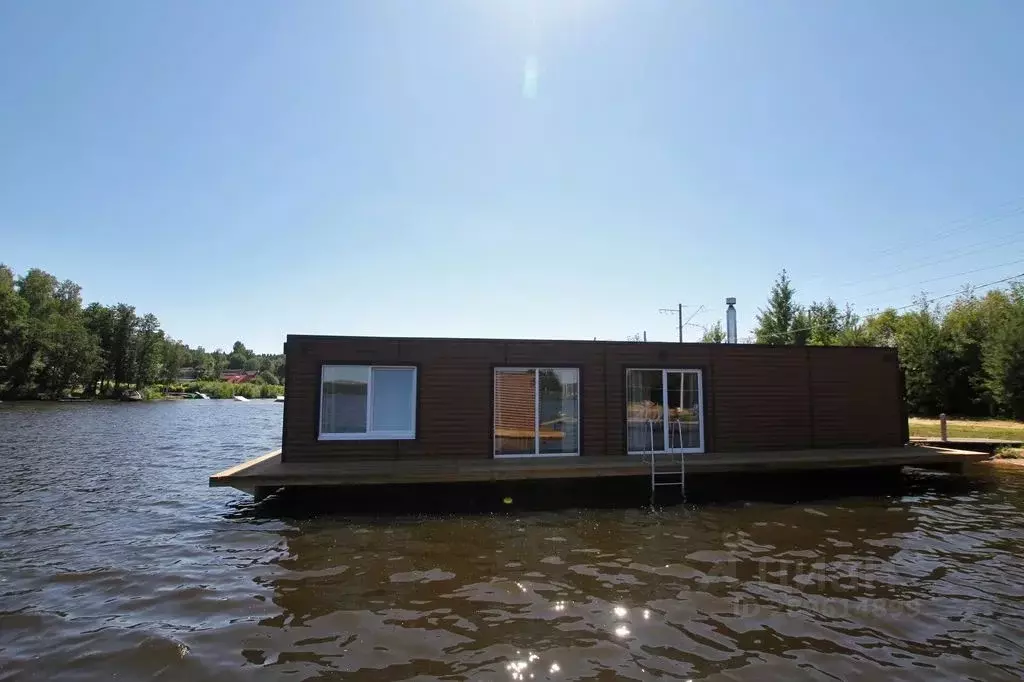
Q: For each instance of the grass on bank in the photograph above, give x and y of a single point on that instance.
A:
(218, 389)
(968, 428)
(1010, 453)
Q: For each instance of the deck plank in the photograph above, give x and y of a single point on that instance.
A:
(269, 470)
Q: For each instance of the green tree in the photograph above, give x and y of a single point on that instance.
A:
(852, 331)
(69, 356)
(775, 321)
(1003, 355)
(176, 356)
(965, 326)
(266, 378)
(218, 363)
(37, 290)
(50, 345)
(147, 347)
(713, 334)
(920, 341)
(99, 321)
(882, 329)
(800, 334)
(13, 319)
(825, 323)
(122, 345)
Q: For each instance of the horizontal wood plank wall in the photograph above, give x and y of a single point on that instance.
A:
(755, 397)
(623, 356)
(857, 397)
(454, 402)
(306, 358)
(589, 359)
(762, 398)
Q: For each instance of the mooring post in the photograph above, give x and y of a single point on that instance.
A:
(942, 426)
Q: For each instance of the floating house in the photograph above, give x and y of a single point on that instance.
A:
(369, 411)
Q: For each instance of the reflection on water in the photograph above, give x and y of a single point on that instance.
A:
(116, 558)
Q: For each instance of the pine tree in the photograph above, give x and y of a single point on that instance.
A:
(775, 322)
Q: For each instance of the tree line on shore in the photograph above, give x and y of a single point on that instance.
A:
(964, 358)
(51, 345)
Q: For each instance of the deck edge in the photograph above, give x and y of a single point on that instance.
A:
(221, 478)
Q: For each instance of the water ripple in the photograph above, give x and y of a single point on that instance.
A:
(115, 558)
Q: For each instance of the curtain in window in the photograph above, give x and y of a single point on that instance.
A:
(536, 411)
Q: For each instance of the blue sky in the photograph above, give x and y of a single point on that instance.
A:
(246, 169)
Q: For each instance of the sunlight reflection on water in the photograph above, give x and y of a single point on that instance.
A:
(147, 573)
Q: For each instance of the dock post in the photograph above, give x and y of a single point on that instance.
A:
(942, 427)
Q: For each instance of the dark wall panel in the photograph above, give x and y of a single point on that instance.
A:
(755, 397)
(455, 396)
(623, 356)
(762, 399)
(589, 359)
(302, 413)
(857, 397)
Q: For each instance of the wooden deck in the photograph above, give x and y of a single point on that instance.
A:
(269, 472)
(989, 445)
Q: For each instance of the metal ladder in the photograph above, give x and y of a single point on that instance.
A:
(665, 472)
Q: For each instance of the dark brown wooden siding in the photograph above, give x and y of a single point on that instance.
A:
(755, 397)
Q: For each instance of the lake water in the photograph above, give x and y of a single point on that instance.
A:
(117, 561)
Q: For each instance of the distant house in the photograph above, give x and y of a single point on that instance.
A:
(188, 374)
(238, 376)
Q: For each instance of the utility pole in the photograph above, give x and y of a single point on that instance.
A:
(679, 311)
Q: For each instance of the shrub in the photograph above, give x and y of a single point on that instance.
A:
(1010, 453)
(271, 390)
(266, 377)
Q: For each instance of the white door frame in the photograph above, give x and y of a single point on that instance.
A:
(664, 397)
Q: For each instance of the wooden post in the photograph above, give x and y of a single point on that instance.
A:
(942, 426)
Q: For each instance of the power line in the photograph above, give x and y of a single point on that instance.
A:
(936, 279)
(1006, 242)
(959, 291)
(957, 226)
(678, 310)
(934, 298)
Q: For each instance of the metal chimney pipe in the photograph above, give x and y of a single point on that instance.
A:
(730, 320)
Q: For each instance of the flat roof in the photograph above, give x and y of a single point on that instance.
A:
(666, 344)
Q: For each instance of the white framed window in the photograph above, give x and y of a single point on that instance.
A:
(364, 402)
(536, 411)
(664, 411)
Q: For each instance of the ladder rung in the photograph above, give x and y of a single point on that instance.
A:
(675, 483)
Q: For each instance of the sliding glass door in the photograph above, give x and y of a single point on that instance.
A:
(664, 410)
(536, 411)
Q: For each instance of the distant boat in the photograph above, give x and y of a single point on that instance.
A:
(202, 396)
(132, 396)
(279, 399)
(241, 399)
